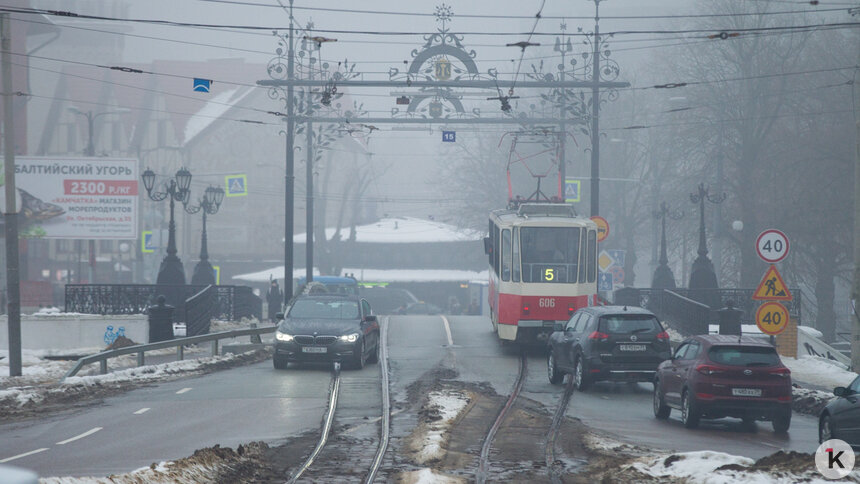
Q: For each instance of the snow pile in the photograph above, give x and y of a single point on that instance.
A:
(709, 467)
(441, 410)
(819, 371)
(428, 476)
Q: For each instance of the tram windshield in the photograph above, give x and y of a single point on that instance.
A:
(550, 254)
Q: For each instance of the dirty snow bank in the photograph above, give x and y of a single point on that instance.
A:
(819, 371)
(441, 410)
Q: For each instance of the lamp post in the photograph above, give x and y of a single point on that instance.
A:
(177, 190)
(91, 151)
(209, 205)
(702, 275)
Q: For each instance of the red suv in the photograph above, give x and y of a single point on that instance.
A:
(716, 376)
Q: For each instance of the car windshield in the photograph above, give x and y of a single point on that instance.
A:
(629, 324)
(324, 309)
(744, 355)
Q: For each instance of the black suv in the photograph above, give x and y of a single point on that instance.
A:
(617, 343)
(327, 327)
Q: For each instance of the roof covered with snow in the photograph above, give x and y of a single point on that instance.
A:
(376, 275)
(402, 230)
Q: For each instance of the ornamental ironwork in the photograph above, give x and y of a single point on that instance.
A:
(443, 57)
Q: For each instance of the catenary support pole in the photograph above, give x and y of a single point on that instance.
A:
(13, 280)
(289, 176)
(595, 115)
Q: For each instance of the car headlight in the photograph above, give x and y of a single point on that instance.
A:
(350, 338)
(283, 336)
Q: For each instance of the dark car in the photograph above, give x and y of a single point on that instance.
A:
(422, 307)
(327, 327)
(840, 419)
(617, 343)
(716, 376)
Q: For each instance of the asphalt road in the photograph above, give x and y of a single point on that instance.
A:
(258, 403)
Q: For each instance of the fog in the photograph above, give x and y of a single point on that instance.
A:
(763, 116)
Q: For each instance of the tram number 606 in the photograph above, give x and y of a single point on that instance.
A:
(546, 302)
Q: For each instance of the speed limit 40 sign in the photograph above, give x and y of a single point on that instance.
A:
(771, 318)
(772, 246)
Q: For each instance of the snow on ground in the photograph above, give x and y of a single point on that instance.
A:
(447, 405)
(708, 467)
(819, 371)
(428, 476)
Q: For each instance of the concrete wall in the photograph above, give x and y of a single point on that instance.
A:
(75, 331)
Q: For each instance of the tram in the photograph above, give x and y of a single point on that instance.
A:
(543, 267)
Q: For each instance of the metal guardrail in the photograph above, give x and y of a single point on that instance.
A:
(179, 343)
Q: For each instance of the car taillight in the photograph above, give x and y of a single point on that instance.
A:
(598, 335)
(786, 398)
(705, 396)
(783, 372)
(570, 310)
(526, 309)
(663, 335)
(708, 369)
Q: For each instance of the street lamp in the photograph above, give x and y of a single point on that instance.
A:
(209, 205)
(91, 151)
(177, 189)
(91, 117)
(702, 275)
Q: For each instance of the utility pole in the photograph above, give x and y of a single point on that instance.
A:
(13, 280)
(309, 229)
(563, 48)
(855, 290)
(595, 114)
(289, 176)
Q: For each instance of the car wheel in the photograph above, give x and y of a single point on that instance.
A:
(373, 357)
(358, 359)
(689, 413)
(580, 379)
(825, 429)
(661, 410)
(748, 424)
(279, 363)
(782, 422)
(555, 376)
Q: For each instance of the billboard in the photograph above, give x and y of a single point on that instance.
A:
(77, 198)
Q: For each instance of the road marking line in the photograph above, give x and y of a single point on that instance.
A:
(25, 454)
(88, 432)
(448, 331)
(184, 390)
(142, 410)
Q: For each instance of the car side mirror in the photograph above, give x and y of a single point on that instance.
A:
(370, 319)
(841, 391)
(558, 327)
(279, 316)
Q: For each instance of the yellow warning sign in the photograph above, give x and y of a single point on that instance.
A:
(772, 287)
(771, 318)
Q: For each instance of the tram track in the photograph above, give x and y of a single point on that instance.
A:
(552, 433)
(331, 414)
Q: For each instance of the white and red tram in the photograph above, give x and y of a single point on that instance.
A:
(543, 267)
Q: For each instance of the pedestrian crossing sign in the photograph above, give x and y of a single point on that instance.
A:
(236, 185)
(146, 242)
(572, 192)
(772, 287)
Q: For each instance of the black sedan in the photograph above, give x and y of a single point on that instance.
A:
(327, 328)
(840, 419)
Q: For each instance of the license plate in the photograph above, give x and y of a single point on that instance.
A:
(314, 349)
(746, 392)
(631, 347)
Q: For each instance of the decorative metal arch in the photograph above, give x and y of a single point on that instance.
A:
(433, 63)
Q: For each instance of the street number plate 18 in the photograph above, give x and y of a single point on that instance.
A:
(314, 349)
(746, 392)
